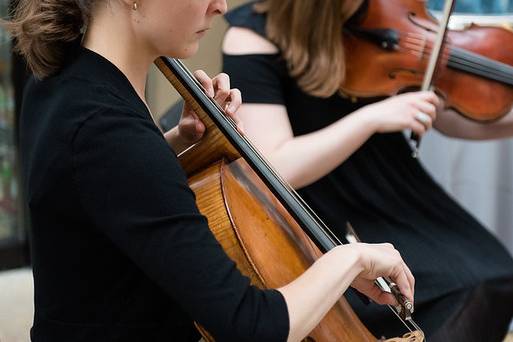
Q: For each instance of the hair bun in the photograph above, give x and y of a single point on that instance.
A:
(44, 29)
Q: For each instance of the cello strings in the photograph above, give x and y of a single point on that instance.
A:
(396, 313)
(406, 323)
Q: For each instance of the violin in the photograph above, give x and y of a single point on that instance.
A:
(388, 48)
(258, 219)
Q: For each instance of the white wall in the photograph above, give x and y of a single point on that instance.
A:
(479, 175)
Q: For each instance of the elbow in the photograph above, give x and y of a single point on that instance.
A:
(292, 180)
(298, 180)
(298, 183)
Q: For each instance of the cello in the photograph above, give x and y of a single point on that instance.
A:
(261, 223)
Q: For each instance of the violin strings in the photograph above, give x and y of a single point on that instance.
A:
(475, 64)
(466, 60)
(462, 59)
(488, 62)
(503, 73)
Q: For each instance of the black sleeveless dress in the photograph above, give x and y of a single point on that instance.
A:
(389, 197)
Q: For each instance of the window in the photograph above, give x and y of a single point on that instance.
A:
(13, 247)
(495, 7)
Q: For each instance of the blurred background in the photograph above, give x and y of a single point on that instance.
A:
(478, 174)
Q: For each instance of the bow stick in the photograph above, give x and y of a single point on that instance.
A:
(433, 64)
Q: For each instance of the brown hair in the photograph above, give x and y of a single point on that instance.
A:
(44, 30)
(309, 35)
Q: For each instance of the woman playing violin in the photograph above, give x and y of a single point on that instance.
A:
(120, 250)
(351, 162)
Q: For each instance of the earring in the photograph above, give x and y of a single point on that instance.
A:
(134, 6)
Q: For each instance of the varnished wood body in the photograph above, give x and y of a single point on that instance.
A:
(375, 71)
(266, 243)
(263, 239)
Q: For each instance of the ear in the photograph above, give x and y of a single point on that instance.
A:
(131, 4)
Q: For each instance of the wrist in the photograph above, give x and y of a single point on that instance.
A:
(368, 119)
(353, 256)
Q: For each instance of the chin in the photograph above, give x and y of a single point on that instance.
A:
(185, 52)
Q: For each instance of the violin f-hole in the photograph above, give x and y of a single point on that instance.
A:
(393, 74)
(412, 17)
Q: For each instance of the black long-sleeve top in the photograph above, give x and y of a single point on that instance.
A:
(120, 250)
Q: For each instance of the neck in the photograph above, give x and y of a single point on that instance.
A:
(112, 36)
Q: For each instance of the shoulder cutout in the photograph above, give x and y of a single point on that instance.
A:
(242, 41)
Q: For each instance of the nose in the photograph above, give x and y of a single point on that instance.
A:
(218, 7)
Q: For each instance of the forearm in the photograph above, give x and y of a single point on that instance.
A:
(454, 125)
(311, 295)
(304, 159)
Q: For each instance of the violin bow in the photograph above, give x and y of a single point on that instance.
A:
(433, 63)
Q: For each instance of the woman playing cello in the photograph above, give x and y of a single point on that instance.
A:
(120, 251)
